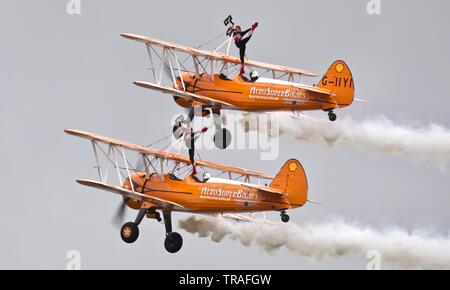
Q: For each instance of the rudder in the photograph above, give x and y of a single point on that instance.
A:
(339, 80)
(292, 180)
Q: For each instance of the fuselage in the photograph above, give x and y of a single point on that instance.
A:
(261, 95)
(207, 197)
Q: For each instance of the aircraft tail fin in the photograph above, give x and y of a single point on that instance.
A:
(291, 179)
(339, 80)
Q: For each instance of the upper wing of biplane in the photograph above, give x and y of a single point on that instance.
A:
(131, 194)
(165, 155)
(215, 55)
(186, 95)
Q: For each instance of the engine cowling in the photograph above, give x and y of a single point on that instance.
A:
(139, 181)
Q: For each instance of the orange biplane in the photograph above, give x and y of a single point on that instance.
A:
(159, 186)
(212, 83)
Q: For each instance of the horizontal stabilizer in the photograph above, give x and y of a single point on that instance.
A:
(313, 201)
(360, 100)
(245, 218)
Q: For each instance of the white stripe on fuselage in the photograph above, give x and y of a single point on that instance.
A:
(275, 81)
(281, 82)
(228, 181)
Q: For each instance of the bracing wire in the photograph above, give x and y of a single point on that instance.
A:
(202, 45)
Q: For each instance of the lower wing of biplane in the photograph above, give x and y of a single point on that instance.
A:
(202, 101)
(131, 194)
(110, 155)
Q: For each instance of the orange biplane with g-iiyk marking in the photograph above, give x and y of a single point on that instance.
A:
(211, 82)
(160, 185)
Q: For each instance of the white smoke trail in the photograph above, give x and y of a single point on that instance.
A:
(379, 134)
(330, 240)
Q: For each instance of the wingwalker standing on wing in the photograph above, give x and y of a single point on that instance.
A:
(238, 36)
(183, 132)
(190, 141)
(241, 42)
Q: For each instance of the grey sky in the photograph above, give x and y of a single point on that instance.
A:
(60, 71)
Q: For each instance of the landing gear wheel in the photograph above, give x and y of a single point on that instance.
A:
(332, 116)
(222, 139)
(173, 242)
(129, 232)
(284, 218)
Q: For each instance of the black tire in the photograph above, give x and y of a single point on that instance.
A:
(284, 218)
(222, 139)
(332, 116)
(173, 242)
(129, 232)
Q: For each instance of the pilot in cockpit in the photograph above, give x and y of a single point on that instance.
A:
(205, 177)
(254, 76)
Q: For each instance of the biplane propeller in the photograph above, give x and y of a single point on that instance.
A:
(211, 83)
(162, 187)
